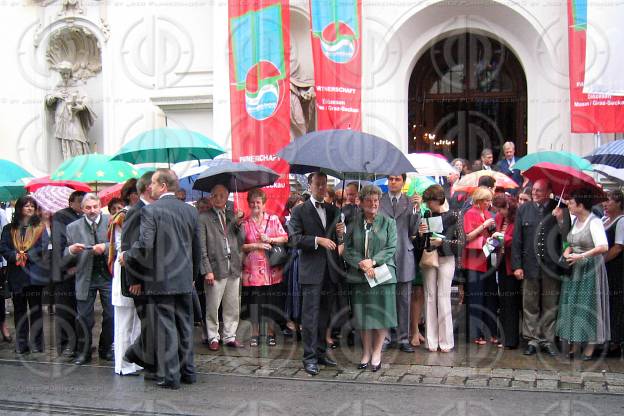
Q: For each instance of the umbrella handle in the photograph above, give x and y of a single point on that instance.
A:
(561, 196)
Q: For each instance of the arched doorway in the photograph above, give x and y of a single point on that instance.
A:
(466, 93)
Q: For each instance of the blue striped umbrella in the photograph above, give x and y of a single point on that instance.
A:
(610, 154)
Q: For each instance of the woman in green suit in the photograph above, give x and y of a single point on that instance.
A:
(370, 244)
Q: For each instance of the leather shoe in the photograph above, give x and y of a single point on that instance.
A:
(188, 379)
(108, 356)
(20, 351)
(530, 350)
(82, 359)
(549, 349)
(151, 376)
(37, 350)
(327, 362)
(311, 368)
(406, 347)
(214, 345)
(167, 385)
(375, 368)
(362, 366)
(68, 352)
(234, 344)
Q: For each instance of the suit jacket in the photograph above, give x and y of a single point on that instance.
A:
(135, 269)
(407, 227)
(514, 174)
(304, 226)
(60, 264)
(382, 247)
(538, 240)
(80, 232)
(169, 241)
(214, 258)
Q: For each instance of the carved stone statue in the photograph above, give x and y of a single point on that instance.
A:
(302, 101)
(73, 116)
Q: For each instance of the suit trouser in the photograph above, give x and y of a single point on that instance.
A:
(65, 314)
(28, 317)
(510, 306)
(439, 322)
(174, 337)
(315, 311)
(144, 348)
(540, 304)
(86, 320)
(403, 301)
(225, 292)
(127, 329)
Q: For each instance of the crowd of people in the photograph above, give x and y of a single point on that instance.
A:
(378, 267)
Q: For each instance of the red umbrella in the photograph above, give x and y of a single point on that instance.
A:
(109, 193)
(563, 179)
(37, 183)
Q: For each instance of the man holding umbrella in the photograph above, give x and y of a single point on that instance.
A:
(316, 230)
(535, 251)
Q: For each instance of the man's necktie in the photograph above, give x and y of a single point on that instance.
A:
(394, 205)
(94, 228)
(222, 219)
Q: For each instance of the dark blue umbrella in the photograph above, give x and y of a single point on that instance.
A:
(345, 154)
(610, 154)
(236, 176)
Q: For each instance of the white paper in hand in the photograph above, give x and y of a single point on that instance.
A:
(382, 274)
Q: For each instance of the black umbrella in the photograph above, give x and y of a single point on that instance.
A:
(345, 154)
(236, 176)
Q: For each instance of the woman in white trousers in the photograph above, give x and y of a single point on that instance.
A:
(437, 281)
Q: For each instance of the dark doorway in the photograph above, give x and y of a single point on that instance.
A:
(466, 93)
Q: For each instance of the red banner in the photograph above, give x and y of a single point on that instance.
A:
(593, 113)
(337, 50)
(259, 45)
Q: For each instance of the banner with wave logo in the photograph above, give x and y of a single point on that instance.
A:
(591, 112)
(259, 45)
(336, 46)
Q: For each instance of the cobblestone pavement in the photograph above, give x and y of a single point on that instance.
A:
(468, 366)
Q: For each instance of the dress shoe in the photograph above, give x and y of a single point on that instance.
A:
(168, 385)
(107, 356)
(37, 350)
(326, 361)
(214, 345)
(311, 368)
(234, 344)
(151, 376)
(375, 368)
(362, 366)
(82, 360)
(21, 351)
(406, 347)
(549, 349)
(68, 352)
(189, 379)
(530, 350)
(587, 357)
(133, 374)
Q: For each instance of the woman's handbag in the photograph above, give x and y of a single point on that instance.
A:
(429, 259)
(277, 255)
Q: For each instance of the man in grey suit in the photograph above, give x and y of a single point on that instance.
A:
(221, 265)
(87, 246)
(169, 237)
(396, 205)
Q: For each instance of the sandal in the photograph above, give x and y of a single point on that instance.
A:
(271, 342)
(480, 341)
(253, 342)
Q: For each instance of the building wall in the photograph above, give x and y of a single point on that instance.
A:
(167, 62)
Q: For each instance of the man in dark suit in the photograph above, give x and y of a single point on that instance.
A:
(142, 351)
(541, 228)
(316, 230)
(397, 206)
(170, 239)
(506, 164)
(487, 160)
(64, 277)
(87, 247)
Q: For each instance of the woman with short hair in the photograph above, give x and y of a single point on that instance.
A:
(370, 244)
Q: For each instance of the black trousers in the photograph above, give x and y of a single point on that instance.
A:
(510, 307)
(86, 320)
(28, 318)
(174, 337)
(316, 307)
(144, 348)
(65, 314)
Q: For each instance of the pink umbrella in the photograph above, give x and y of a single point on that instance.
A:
(37, 183)
(52, 198)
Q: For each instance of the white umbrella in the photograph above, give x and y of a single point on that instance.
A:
(52, 198)
(428, 164)
(610, 172)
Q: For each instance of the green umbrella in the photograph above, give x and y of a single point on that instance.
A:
(168, 145)
(95, 167)
(11, 190)
(418, 184)
(11, 172)
(556, 157)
